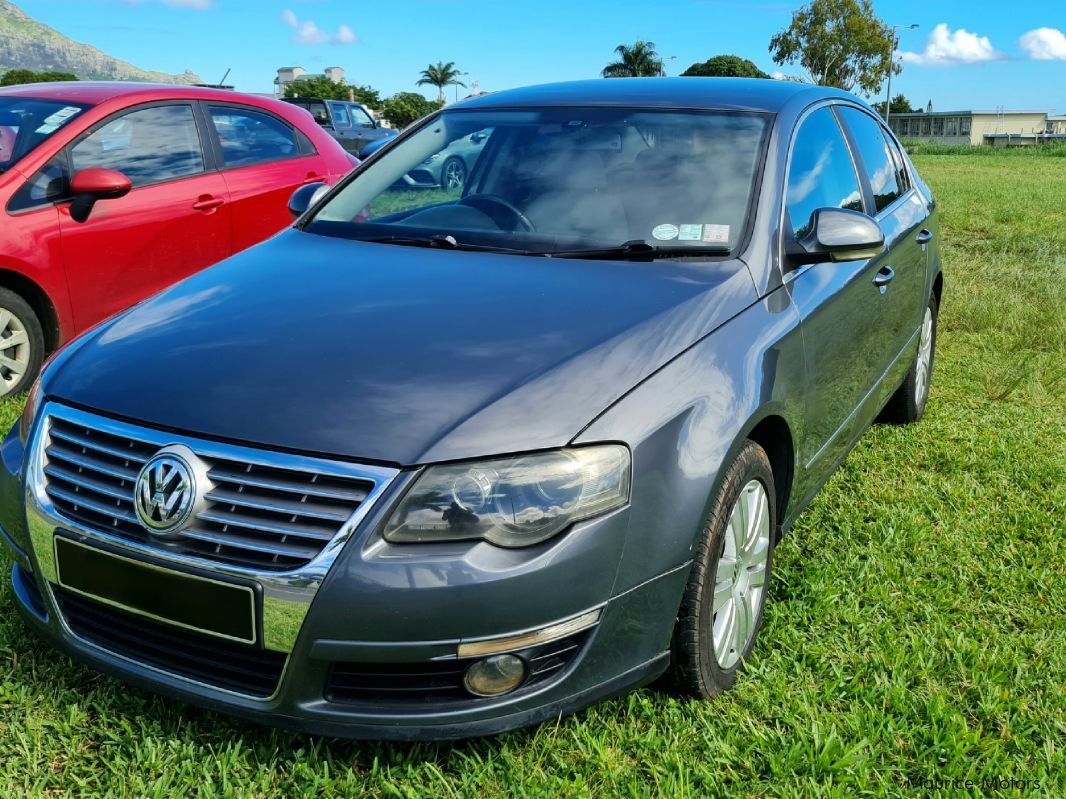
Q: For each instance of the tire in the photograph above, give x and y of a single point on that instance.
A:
(453, 174)
(21, 344)
(907, 405)
(699, 666)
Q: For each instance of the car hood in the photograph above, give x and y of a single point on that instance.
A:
(395, 354)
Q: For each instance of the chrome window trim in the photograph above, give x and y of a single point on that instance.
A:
(287, 595)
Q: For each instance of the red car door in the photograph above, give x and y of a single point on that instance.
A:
(174, 222)
(264, 160)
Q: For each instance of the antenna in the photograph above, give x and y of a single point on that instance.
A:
(223, 81)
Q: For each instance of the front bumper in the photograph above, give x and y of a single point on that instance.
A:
(400, 610)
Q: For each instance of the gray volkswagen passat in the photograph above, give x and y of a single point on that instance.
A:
(429, 468)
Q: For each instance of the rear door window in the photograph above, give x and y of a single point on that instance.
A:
(821, 173)
(340, 115)
(251, 137)
(149, 145)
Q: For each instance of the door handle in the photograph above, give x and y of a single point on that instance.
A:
(207, 203)
(313, 178)
(884, 277)
(924, 236)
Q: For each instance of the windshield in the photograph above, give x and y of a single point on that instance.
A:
(560, 181)
(26, 122)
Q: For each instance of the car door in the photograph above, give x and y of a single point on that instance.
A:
(343, 130)
(364, 128)
(264, 160)
(901, 213)
(841, 305)
(174, 222)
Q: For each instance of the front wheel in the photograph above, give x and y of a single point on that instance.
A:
(722, 608)
(908, 403)
(453, 174)
(21, 344)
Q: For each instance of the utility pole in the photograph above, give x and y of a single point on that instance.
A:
(892, 66)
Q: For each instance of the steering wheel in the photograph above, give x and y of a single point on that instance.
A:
(491, 205)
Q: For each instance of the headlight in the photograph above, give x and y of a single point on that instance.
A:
(29, 411)
(512, 502)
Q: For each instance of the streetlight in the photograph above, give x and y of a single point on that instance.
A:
(662, 65)
(460, 75)
(891, 66)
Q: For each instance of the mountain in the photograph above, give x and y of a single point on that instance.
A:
(27, 44)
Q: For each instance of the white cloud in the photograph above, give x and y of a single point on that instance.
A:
(1044, 44)
(307, 32)
(203, 5)
(945, 46)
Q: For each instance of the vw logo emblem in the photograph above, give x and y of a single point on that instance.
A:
(165, 492)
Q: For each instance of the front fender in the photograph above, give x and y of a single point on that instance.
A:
(686, 422)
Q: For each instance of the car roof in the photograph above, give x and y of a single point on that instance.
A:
(748, 94)
(96, 92)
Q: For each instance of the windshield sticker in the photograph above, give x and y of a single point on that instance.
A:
(58, 119)
(690, 233)
(664, 232)
(716, 234)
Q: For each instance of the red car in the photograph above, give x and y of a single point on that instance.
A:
(112, 191)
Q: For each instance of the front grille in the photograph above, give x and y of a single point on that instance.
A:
(391, 684)
(204, 658)
(265, 517)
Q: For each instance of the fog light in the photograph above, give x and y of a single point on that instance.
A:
(495, 675)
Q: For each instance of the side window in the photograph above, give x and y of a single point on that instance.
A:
(51, 183)
(900, 163)
(340, 115)
(251, 137)
(147, 146)
(821, 173)
(873, 150)
(360, 118)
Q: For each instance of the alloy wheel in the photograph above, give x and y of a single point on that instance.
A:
(925, 358)
(14, 351)
(740, 579)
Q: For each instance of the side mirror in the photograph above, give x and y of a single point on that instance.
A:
(839, 234)
(95, 183)
(305, 197)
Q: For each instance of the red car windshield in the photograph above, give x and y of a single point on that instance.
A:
(26, 122)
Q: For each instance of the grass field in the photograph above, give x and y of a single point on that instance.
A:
(916, 627)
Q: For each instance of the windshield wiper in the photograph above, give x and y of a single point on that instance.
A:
(441, 242)
(636, 250)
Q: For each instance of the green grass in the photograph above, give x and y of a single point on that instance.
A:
(916, 628)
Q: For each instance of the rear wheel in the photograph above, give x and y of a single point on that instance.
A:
(722, 608)
(21, 344)
(908, 403)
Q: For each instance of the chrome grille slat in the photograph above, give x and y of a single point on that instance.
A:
(288, 550)
(77, 499)
(81, 481)
(274, 513)
(98, 446)
(55, 452)
(311, 510)
(226, 518)
(228, 476)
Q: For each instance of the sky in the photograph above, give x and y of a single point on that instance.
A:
(965, 55)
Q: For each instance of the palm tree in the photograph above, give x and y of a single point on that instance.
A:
(441, 75)
(637, 61)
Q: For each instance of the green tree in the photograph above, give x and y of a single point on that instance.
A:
(319, 87)
(403, 108)
(322, 88)
(899, 105)
(638, 60)
(840, 43)
(441, 75)
(16, 77)
(725, 66)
